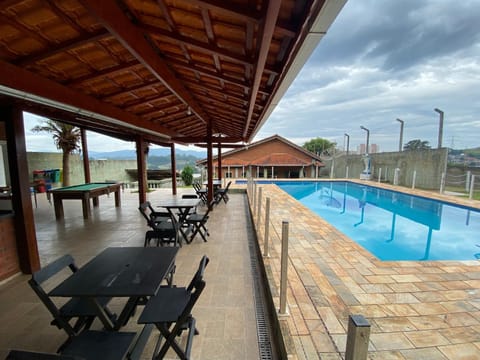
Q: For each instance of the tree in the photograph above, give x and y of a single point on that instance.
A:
(320, 146)
(416, 144)
(187, 175)
(66, 138)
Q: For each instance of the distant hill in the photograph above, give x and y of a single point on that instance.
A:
(473, 152)
(157, 158)
(131, 154)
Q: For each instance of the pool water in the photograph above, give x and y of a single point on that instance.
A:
(392, 225)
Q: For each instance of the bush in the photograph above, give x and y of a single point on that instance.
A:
(187, 175)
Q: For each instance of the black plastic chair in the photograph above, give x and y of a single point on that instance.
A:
(94, 345)
(201, 193)
(171, 312)
(164, 229)
(198, 222)
(150, 214)
(222, 194)
(76, 308)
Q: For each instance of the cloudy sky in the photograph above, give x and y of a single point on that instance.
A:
(380, 60)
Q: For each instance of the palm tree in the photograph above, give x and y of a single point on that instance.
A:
(66, 138)
(416, 144)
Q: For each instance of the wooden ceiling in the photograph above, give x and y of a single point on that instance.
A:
(167, 70)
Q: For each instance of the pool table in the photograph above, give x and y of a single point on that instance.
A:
(83, 192)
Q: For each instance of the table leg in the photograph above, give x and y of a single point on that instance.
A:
(126, 313)
(86, 206)
(103, 315)
(95, 201)
(117, 198)
(58, 206)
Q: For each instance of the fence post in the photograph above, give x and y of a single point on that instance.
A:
(442, 183)
(414, 178)
(395, 176)
(254, 197)
(467, 181)
(357, 338)
(267, 227)
(380, 175)
(386, 174)
(472, 185)
(332, 168)
(346, 173)
(283, 269)
(259, 204)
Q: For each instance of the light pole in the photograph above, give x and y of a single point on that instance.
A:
(348, 141)
(368, 137)
(440, 127)
(400, 142)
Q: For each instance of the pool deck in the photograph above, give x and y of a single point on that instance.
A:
(417, 310)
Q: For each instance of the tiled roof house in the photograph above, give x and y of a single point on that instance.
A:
(272, 157)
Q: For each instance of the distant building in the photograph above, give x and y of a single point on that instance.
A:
(273, 157)
(374, 148)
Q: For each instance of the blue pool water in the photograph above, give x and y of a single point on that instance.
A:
(392, 225)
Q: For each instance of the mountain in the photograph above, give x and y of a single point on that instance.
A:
(131, 154)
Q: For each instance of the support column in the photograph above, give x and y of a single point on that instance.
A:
(174, 169)
(26, 239)
(209, 163)
(219, 158)
(142, 150)
(86, 161)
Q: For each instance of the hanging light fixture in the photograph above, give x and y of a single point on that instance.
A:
(189, 111)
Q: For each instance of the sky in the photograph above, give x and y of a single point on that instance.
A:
(379, 61)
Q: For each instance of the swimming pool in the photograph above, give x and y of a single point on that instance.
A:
(393, 225)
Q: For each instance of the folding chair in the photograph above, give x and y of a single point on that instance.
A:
(202, 193)
(171, 312)
(94, 345)
(199, 221)
(151, 215)
(222, 194)
(78, 308)
(32, 355)
(163, 228)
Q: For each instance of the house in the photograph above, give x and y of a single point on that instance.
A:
(272, 157)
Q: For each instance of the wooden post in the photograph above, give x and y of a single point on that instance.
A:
(86, 161)
(357, 338)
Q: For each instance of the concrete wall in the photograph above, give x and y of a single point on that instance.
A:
(428, 164)
(100, 170)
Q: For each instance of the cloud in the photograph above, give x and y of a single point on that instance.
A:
(383, 60)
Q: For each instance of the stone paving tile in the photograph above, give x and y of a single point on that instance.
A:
(461, 351)
(417, 310)
(429, 353)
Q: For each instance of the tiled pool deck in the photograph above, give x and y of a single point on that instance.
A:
(417, 310)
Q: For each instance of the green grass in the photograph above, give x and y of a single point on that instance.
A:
(459, 189)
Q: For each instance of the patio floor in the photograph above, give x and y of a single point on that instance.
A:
(417, 310)
(225, 311)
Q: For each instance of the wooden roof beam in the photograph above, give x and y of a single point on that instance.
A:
(22, 80)
(115, 20)
(267, 35)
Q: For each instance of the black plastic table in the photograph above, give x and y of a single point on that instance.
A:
(130, 272)
(183, 206)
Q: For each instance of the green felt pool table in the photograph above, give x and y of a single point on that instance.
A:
(83, 192)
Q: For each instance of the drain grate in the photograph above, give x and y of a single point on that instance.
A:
(263, 324)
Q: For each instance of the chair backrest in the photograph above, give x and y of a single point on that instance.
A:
(199, 273)
(189, 196)
(228, 185)
(42, 275)
(144, 209)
